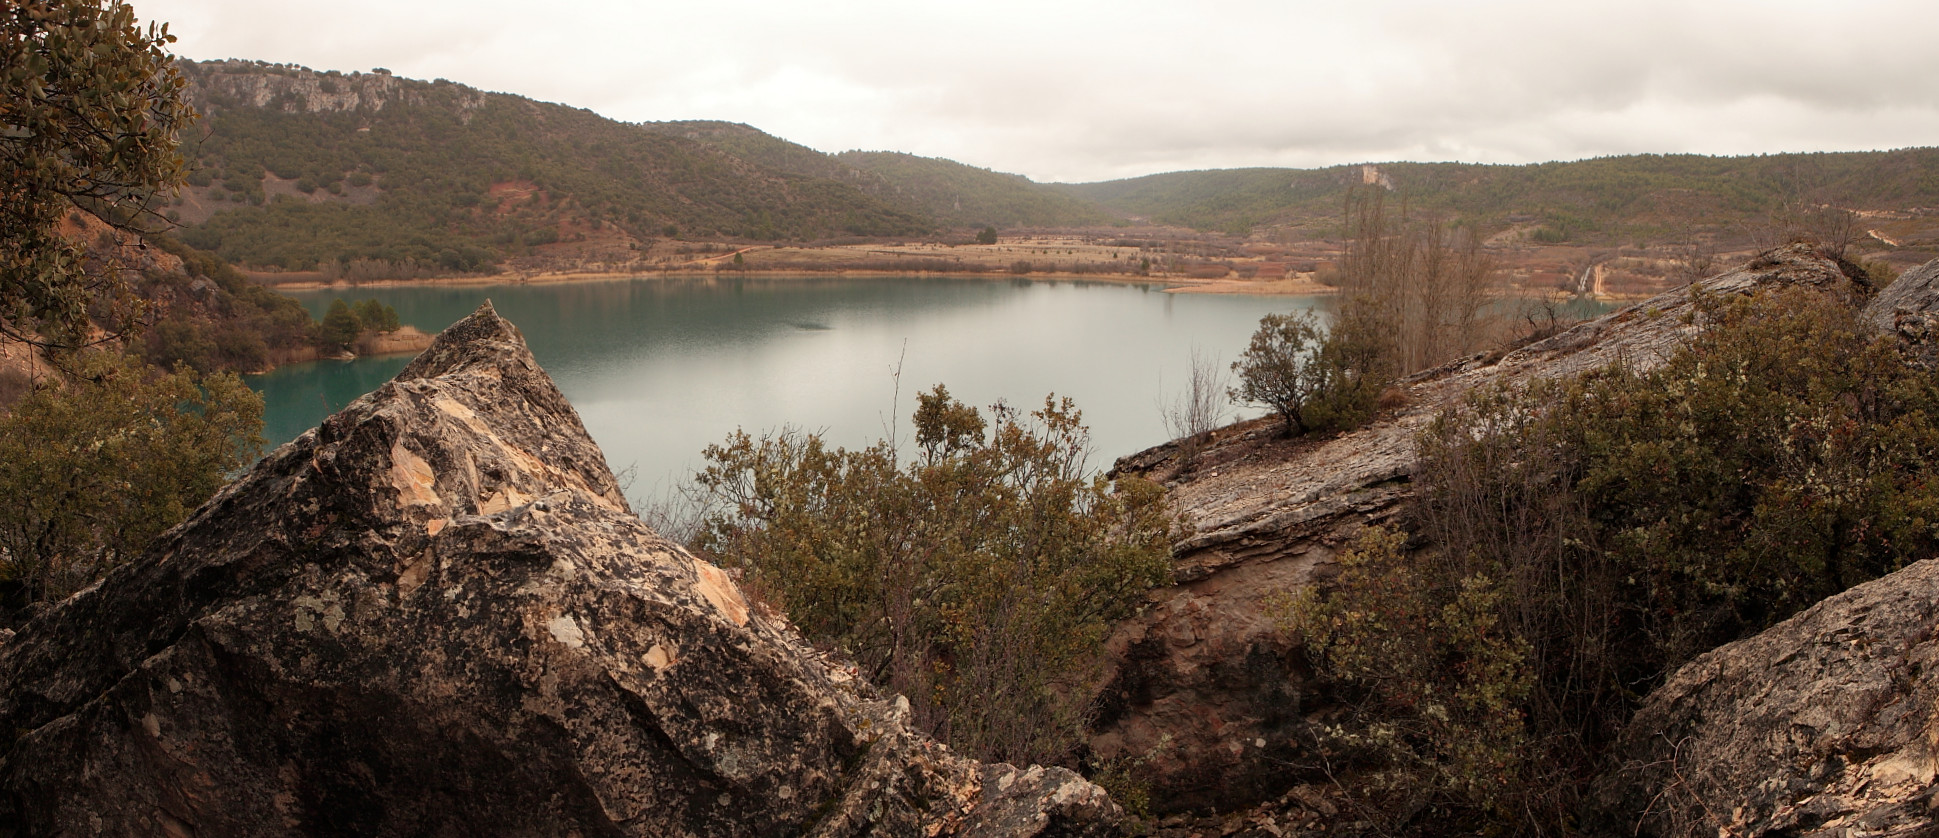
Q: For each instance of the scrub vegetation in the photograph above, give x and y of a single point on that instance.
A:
(1585, 537)
(977, 577)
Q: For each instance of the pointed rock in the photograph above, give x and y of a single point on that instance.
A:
(434, 614)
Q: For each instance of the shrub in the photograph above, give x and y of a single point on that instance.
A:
(1315, 382)
(1436, 676)
(97, 468)
(1618, 524)
(978, 579)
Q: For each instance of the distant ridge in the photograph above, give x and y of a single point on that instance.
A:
(1606, 199)
(299, 168)
(305, 170)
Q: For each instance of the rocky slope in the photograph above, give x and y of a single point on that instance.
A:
(434, 614)
(1825, 724)
(1203, 686)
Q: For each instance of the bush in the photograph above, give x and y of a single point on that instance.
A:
(978, 579)
(1315, 382)
(1619, 524)
(1436, 676)
(99, 467)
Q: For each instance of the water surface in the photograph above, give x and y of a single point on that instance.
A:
(660, 368)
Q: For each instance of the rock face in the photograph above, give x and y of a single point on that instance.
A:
(435, 615)
(1909, 307)
(1826, 724)
(1203, 686)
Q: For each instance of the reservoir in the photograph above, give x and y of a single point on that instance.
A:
(661, 368)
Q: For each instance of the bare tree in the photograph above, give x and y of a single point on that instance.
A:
(1429, 282)
(1193, 413)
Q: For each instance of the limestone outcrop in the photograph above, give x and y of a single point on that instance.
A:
(1825, 724)
(1203, 687)
(1909, 307)
(435, 615)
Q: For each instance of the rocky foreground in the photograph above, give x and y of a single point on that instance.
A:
(1216, 702)
(435, 615)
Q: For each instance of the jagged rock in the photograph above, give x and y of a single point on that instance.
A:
(1203, 686)
(1909, 308)
(435, 615)
(1825, 724)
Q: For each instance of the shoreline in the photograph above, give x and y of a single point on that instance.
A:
(1173, 285)
(1299, 287)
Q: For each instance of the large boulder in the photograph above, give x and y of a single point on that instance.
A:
(1825, 724)
(435, 615)
(1909, 308)
(1204, 691)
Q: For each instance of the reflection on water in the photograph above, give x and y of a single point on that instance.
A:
(660, 368)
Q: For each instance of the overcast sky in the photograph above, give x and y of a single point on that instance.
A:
(1076, 90)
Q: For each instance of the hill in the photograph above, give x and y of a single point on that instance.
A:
(299, 168)
(951, 193)
(1607, 200)
(368, 173)
(962, 195)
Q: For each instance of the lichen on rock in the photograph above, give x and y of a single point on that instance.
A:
(435, 614)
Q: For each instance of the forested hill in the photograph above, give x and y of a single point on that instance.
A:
(950, 193)
(1647, 196)
(297, 169)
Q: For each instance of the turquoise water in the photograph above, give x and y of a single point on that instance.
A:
(660, 368)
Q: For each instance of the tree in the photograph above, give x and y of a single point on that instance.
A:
(90, 104)
(1276, 368)
(986, 236)
(1427, 286)
(1197, 410)
(374, 315)
(1315, 381)
(341, 325)
(978, 579)
(98, 467)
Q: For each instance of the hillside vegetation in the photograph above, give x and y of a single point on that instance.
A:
(366, 175)
(299, 170)
(1644, 197)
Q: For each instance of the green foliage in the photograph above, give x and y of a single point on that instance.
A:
(961, 195)
(211, 317)
(986, 236)
(1612, 527)
(344, 322)
(436, 150)
(1784, 455)
(1605, 200)
(97, 468)
(1438, 675)
(374, 316)
(978, 579)
(91, 104)
(1315, 381)
(341, 325)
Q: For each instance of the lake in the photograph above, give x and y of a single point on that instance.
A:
(661, 368)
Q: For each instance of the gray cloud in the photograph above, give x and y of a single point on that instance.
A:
(1093, 89)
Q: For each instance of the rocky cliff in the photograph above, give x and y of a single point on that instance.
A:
(1826, 724)
(1203, 686)
(435, 615)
